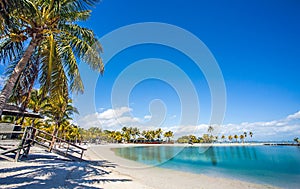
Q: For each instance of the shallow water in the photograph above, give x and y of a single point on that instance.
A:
(274, 165)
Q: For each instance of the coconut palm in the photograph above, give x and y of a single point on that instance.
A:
(134, 132)
(223, 138)
(236, 137)
(210, 129)
(230, 138)
(242, 138)
(47, 30)
(251, 134)
(126, 133)
(168, 135)
(117, 136)
(37, 101)
(149, 135)
(158, 133)
(245, 134)
(58, 110)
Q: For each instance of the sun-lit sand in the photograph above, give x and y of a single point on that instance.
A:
(103, 169)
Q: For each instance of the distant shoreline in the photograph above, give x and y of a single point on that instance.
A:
(202, 144)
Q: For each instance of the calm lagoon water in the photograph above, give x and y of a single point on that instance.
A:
(274, 165)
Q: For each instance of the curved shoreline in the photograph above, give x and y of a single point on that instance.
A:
(156, 177)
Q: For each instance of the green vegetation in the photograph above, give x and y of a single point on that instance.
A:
(40, 41)
(127, 134)
(209, 138)
(41, 44)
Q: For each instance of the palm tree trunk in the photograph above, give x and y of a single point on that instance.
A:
(7, 90)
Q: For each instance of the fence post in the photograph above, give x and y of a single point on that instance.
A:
(21, 144)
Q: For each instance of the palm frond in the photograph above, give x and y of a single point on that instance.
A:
(10, 50)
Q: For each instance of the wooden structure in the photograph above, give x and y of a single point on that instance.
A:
(14, 143)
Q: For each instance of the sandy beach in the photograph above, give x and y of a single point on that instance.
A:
(102, 169)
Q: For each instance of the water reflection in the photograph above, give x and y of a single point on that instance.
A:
(149, 155)
(157, 155)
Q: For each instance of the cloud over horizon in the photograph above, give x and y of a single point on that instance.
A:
(114, 119)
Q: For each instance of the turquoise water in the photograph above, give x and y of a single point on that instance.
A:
(274, 165)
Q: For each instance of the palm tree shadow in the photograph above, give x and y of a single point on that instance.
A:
(45, 172)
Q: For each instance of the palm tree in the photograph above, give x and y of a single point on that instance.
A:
(158, 133)
(134, 133)
(230, 138)
(58, 110)
(251, 134)
(126, 132)
(48, 31)
(37, 101)
(242, 137)
(297, 140)
(168, 135)
(210, 129)
(236, 137)
(149, 135)
(223, 138)
(116, 136)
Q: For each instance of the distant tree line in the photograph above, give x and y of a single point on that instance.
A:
(127, 134)
(210, 138)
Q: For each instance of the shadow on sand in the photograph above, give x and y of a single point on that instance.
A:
(52, 172)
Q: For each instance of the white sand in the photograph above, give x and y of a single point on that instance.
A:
(104, 170)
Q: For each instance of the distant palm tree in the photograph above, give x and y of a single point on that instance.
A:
(242, 137)
(158, 133)
(135, 132)
(230, 138)
(210, 129)
(251, 134)
(245, 136)
(236, 137)
(297, 140)
(168, 135)
(223, 138)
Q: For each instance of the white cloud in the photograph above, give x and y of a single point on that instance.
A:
(294, 116)
(173, 117)
(115, 119)
(114, 113)
(109, 119)
(147, 117)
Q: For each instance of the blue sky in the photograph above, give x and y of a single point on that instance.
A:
(255, 43)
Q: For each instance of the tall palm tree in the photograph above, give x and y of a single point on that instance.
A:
(47, 29)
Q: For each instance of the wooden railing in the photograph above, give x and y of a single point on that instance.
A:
(56, 144)
(33, 136)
